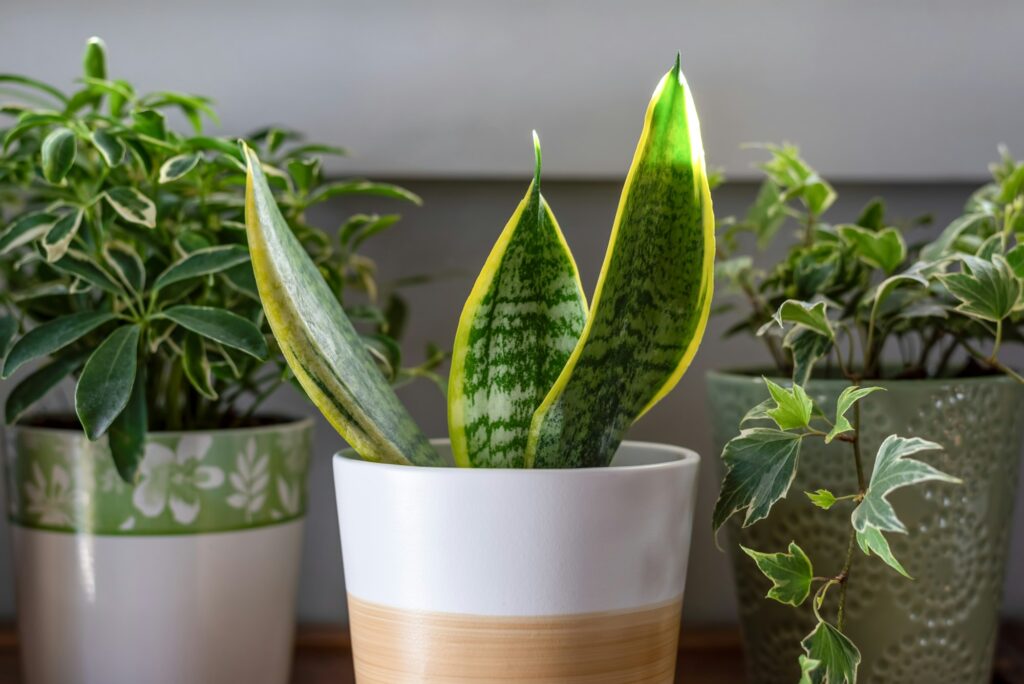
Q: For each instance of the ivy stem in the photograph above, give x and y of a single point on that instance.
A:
(843, 578)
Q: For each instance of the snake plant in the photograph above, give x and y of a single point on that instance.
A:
(536, 379)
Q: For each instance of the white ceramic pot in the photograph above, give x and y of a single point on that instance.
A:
(488, 575)
(187, 575)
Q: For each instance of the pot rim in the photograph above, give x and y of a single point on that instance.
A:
(686, 459)
(285, 423)
(754, 374)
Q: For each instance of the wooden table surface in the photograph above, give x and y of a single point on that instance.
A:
(323, 656)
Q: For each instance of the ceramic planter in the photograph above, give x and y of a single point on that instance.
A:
(494, 575)
(189, 575)
(941, 627)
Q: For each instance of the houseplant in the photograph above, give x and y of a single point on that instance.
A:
(167, 509)
(853, 310)
(530, 566)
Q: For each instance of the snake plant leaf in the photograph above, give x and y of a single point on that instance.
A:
(849, 396)
(837, 655)
(106, 382)
(790, 573)
(322, 348)
(520, 324)
(652, 299)
(892, 470)
(52, 336)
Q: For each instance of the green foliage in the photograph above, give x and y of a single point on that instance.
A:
(791, 573)
(837, 656)
(123, 258)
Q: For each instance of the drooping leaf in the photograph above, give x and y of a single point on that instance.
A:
(221, 326)
(792, 406)
(127, 434)
(810, 315)
(652, 299)
(760, 466)
(892, 470)
(178, 166)
(197, 366)
(53, 336)
(35, 385)
(987, 289)
(58, 239)
(322, 348)
(837, 655)
(59, 151)
(25, 229)
(947, 239)
(807, 347)
(884, 249)
(132, 205)
(110, 147)
(341, 188)
(790, 573)
(847, 398)
(520, 324)
(822, 498)
(105, 385)
(202, 262)
(872, 541)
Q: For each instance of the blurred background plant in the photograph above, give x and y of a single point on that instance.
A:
(124, 263)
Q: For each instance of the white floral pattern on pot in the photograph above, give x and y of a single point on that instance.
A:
(174, 479)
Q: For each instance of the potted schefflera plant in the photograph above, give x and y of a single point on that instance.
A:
(558, 551)
(157, 527)
(870, 477)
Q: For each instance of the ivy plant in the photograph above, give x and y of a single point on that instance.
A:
(842, 300)
(537, 379)
(124, 261)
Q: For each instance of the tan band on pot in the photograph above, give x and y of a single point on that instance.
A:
(392, 646)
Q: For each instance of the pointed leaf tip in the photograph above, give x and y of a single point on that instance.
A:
(536, 158)
(679, 62)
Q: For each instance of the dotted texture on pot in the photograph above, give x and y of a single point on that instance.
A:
(187, 483)
(940, 627)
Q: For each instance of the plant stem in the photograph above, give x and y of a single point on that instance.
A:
(843, 579)
(991, 362)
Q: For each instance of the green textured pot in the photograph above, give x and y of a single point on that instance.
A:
(941, 627)
(187, 574)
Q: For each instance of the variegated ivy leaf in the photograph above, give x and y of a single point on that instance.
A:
(793, 407)
(884, 249)
(822, 498)
(652, 299)
(893, 470)
(58, 239)
(790, 573)
(319, 342)
(132, 205)
(807, 347)
(848, 397)
(517, 330)
(837, 656)
(988, 289)
(760, 465)
(946, 241)
(807, 667)
(810, 315)
(179, 166)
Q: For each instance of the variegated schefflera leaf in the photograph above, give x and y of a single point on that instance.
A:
(652, 299)
(318, 340)
(521, 322)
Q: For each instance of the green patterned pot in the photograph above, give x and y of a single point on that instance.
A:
(941, 627)
(188, 574)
